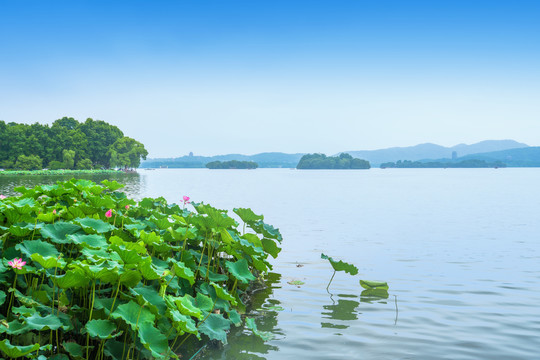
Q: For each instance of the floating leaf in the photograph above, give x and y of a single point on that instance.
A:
(295, 282)
(368, 285)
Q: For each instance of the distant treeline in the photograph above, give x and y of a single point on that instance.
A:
(67, 144)
(472, 163)
(321, 161)
(233, 164)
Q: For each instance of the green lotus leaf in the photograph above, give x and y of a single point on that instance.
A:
(368, 285)
(341, 265)
(151, 297)
(46, 217)
(150, 238)
(13, 351)
(127, 256)
(2, 297)
(240, 270)
(57, 357)
(223, 294)
(109, 274)
(58, 232)
(147, 270)
(183, 322)
(26, 300)
(24, 206)
(139, 247)
(74, 278)
(203, 302)
(250, 324)
(154, 340)
(235, 318)
(102, 329)
(212, 276)
(14, 328)
(215, 327)
(75, 350)
(93, 241)
(91, 226)
(48, 262)
(247, 215)
(373, 294)
(215, 218)
(161, 223)
(186, 307)
(29, 247)
(271, 247)
(116, 350)
(112, 185)
(250, 248)
(21, 229)
(130, 278)
(133, 314)
(268, 231)
(37, 322)
(182, 271)
(260, 264)
(106, 304)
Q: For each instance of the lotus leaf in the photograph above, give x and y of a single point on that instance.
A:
(271, 247)
(133, 314)
(102, 329)
(368, 285)
(13, 351)
(186, 307)
(37, 322)
(155, 341)
(58, 232)
(341, 265)
(91, 226)
(215, 327)
(183, 322)
(247, 215)
(29, 247)
(151, 297)
(240, 270)
(250, 323)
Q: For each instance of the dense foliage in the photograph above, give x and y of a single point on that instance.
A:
(87, 273)
(56, 172)
(473, 163)
(67, 144)
(233, 164)
(321, 161)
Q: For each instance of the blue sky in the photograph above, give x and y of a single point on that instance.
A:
(217, 77)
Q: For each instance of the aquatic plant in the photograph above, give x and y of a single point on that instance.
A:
(78, 285)
(339, 266)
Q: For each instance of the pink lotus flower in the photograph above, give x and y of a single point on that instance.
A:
(54, 211)
(17, 263)
(109, 213)
(127, 207)
(2, 197)
(186, 199)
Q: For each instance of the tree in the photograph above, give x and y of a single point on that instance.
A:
(126, 152)
(69, 158)
(32, 162)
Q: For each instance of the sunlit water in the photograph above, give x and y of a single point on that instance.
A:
(460, 249)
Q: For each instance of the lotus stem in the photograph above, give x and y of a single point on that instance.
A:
(332, 278)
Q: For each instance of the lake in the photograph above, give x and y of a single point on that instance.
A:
(459, 248)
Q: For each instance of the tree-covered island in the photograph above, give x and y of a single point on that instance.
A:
(233, 164)
(472, 163)
(321, 161)
(67, 144)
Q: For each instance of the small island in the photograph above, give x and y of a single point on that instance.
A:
(321, 161)
(473, 163)
(233, 164)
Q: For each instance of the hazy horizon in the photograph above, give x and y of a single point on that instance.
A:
(249, 77)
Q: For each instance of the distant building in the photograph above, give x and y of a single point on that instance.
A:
(191, 154)
(454, 155)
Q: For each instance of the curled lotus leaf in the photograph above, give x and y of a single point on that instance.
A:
(74, 278)
(40, 323)
(223, 294)
(183, 322)
(247, 215)
(112, 185)
(182, 271)
(341, 265)
(148, 295)
(240, 270)
(268, 231)
(93, 241)
(271, 247)
(186, 307)
(48, 262)
(14, 351)
(102, 329)
(369, 285)
(21, 230)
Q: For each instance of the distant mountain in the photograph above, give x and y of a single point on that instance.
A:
(433, 151)
(523, 157)
(264, 160)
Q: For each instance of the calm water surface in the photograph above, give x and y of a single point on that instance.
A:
(460, 249)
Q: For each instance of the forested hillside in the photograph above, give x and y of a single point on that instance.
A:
(67, 144)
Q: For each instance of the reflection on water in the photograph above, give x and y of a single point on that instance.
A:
(242, 343)
(133, 181)
(374, 295)
(343, 311)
